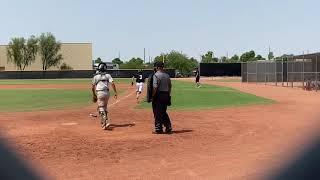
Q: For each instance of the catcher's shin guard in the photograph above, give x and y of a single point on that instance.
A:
(104, 118)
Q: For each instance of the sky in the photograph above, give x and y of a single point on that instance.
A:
(193, 27)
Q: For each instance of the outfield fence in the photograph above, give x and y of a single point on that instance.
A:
(297, 71)
(122, 73)
(220, 69)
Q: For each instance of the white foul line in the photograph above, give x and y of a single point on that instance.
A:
(117, 101)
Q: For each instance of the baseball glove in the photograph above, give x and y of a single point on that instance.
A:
(94, 99)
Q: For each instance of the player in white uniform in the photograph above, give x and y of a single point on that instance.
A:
(101, 94)
(139, 83)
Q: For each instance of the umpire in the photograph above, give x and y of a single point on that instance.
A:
(161, 99)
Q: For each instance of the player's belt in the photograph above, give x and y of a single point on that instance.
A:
(103, 90)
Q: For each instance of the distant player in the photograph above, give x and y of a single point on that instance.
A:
(132, 80)
(140, 79)
(198, 78)
(101, 94)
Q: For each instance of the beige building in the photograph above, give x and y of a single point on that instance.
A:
(76, 55)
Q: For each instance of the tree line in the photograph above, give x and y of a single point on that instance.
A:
(23, 52)
(175, 60)
(185, 65)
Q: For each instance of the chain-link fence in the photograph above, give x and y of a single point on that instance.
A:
(297, 71)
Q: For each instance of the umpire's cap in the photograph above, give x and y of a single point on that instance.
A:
(159, 64)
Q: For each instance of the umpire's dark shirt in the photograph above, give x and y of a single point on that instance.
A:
(161, 81)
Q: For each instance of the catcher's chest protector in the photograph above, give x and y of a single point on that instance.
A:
(102, 82)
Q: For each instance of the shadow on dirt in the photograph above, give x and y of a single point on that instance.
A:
(114, 126)
(182, 131)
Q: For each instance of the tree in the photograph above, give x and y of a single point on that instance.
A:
(65, 66)
(270, 56)
(248, 56)
(117, 61)
(178, 61)
(223, 59)
(148, 65)
(31, 50)
(284, 57)
(162, 58)
(98, 60)
(134, 63)
(49, 51)
(194, 62)
(208, 58)
(21, 52)
(234, 58)
(259, 57)
(15, 52)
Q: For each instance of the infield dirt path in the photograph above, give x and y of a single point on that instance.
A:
(230, 143)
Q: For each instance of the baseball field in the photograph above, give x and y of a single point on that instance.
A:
(223, 130)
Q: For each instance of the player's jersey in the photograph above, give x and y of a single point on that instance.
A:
(140, 78)
(197, 74)
(102, 81)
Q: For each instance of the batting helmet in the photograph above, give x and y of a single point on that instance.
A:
(102, 67)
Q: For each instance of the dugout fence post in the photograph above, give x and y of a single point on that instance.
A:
(241, 72)
(275, 69)
(282, 71)
(256, 72)
(303, 73)
(247, 72)
(288, 71)
(317, 85)
(291, 73)
(265, 72)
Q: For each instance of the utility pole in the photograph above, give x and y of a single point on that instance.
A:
(144, 55)
(269, 53)
(149, 56)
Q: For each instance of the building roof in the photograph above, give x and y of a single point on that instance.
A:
(308, 56)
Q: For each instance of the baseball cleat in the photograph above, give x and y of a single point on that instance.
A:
(168, 131)
(157, 132)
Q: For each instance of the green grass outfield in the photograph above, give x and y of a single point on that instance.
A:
(20, 100)
(17, 100)
(186, 96)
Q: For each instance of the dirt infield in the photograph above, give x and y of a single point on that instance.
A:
(230, 143)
